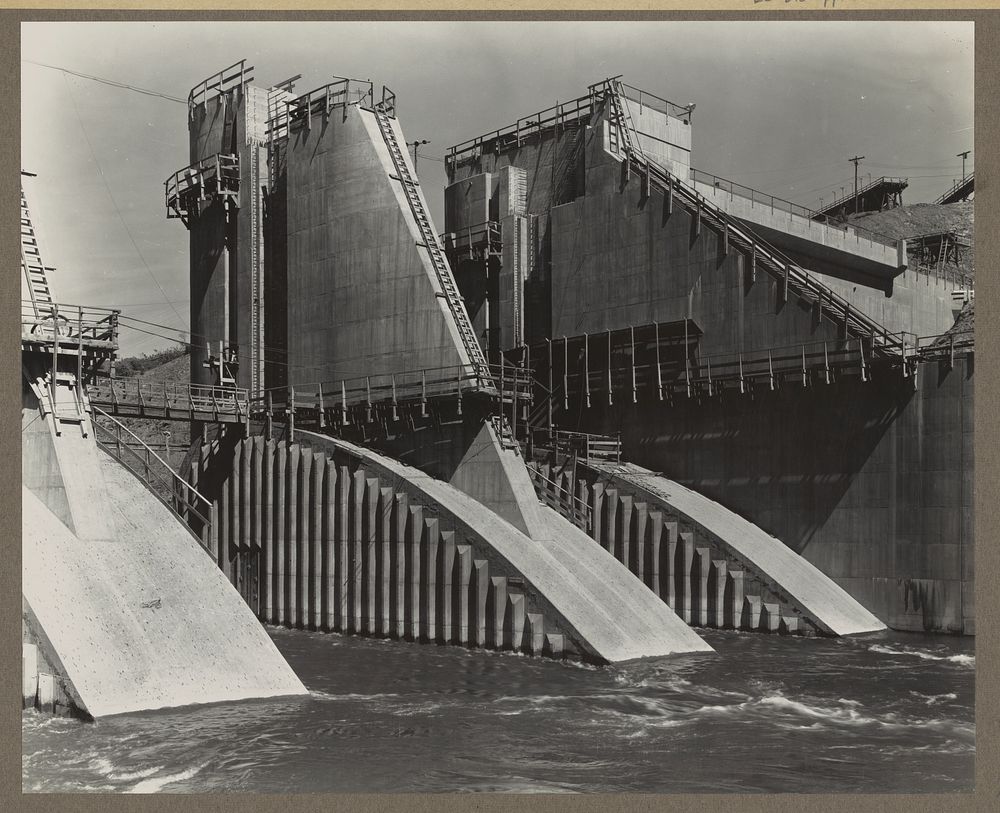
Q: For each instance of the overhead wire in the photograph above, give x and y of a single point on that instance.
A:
(110, 82)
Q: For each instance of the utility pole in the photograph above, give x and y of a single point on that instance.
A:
(855, 160)
(416, 144)
(963, 156)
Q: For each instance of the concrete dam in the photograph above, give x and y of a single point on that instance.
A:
(612, 403)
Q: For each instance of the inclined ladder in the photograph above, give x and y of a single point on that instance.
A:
(31, 265)
(791, 279)
(430, 242)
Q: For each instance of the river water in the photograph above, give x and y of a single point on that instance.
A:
(884, 713)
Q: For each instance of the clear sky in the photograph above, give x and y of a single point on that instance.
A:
(781, 106)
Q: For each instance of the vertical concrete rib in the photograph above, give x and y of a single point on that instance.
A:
(534, 638)
(245, 464)
(370, 554)
(513, 628)
(610, 520)
(655, 531)
(304, 537)
(446, 556)
(734, 599)
(330, 546)
(280, 533)
(343, 547)
(623, 530)
(401, 512)
(460, 598)
(750, 619)
(316, 547)
(428, 579)
(597, 512)
(699, 584)
(356, 558)
(685, 561)
(496, 607)
(292, 534)
(414, 533)
(717, 593)
(668, 568)
(478, 595)
(232, 557)
(257, 491)
(639, 534)
(267, 531)
(384, 564)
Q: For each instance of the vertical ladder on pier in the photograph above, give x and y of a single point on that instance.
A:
(35, 273)
(622, 129)
(430, 242)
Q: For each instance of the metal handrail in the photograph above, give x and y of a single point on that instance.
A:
(756, 196)
(222, 168)
(181, 492)
(220, 82)
(298, 111)
(179, 396)
(562, 113)
(885, 179)
(405, 385)
(47, 321)
(561, 499)
(488, 232)
(970, 178)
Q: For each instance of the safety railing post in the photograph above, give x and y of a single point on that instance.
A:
(322, 409)
(290, 411)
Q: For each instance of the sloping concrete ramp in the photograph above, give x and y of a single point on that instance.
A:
(569, 595)
(139, 617)
(775, 589)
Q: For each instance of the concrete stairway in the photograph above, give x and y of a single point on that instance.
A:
(711, 566)
(349, 540)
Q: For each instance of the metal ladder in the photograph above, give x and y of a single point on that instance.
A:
(31, 265)
(430, 242)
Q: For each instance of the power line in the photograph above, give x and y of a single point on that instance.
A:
(110, 82)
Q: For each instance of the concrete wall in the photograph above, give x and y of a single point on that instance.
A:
(620, 259)
(665, 139)
(213, 128)
(871, 482)
(361, 293)
(919, 303)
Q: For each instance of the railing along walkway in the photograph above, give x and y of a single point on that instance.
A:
(183, 499)
(133, 397)
(561, 499)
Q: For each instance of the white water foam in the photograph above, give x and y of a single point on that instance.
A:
(933, 699)
(961, 660)
(157, 783)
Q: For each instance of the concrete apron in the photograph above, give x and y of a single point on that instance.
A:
(125, 603)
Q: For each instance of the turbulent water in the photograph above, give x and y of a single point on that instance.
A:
(885, 713)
